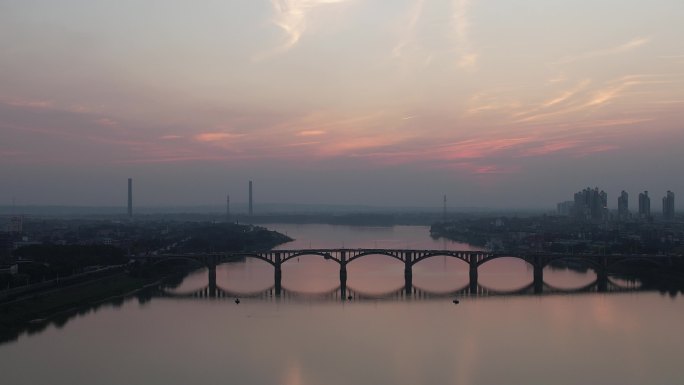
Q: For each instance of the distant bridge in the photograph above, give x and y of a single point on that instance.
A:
(216, 292)
(601, 264)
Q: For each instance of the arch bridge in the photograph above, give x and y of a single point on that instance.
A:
(601, 264)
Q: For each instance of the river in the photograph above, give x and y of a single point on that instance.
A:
(306, 336)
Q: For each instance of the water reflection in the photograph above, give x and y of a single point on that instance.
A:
(384, 334)
(414, 292)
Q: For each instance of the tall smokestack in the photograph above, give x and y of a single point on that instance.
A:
(227, 207)
(130, 197)
(251, 208)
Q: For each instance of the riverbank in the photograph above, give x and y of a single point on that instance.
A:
(36, 312)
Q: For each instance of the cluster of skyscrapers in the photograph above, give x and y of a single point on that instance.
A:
(592, 204)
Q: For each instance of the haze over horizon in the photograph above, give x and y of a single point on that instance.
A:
(351, 102)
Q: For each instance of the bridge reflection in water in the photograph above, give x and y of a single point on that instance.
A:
(340, 293)
(603, 265)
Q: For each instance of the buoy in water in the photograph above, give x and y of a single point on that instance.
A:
(456, 301)
(349, 298)
(237, 300)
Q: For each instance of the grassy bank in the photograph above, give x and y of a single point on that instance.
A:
(16, 314)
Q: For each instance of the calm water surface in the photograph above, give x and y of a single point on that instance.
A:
(612, 338)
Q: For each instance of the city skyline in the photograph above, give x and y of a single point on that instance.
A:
(340, 102)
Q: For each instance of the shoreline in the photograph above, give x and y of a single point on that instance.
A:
(35, 313)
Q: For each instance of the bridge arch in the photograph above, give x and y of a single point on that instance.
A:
(591, 286)
(524, 289)
(395, 255)
(326, 255)
(230, 258)
(491, 257)
(456, 255)
(589, 262)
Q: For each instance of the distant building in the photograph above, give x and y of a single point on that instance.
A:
(644, 205)
(5, 245)
(16, 224)
(668, 206)
(251, 207)
(591, 204)
(623, 205)
(130, 197)
(227, 207)
(565, 208)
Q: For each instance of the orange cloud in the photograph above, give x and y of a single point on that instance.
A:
(479, 148)
(27, 103)
(216, 136)
(310, 133)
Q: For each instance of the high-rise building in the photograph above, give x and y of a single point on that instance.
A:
(591, 204)
(644, 205)
(130, 197)
(623, 205)
(668, 206)
(251, 207)
(565, 208)
(16, 224)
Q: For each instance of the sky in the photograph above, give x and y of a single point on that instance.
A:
(499, 104)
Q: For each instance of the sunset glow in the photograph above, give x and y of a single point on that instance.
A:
(411, 99)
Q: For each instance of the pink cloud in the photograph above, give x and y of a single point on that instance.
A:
(216, 136)
(311, 133)
(27, 103)
(479, 148)
(106, 122)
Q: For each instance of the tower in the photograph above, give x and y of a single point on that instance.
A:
(668, 206)
(227, 207)
(623, 205)
(644, 205)
(444, 209)
(251, 208)
(130, 197)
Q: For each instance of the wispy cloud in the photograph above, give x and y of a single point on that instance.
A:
(625, 47)
(216, 137)
(27, 103)
(106, 122)
(292, 16)
(583, 98)
(409, 37)
(461, 26)
(311, 133)
(457, 33)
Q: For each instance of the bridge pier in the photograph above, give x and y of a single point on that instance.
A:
(343, 276)
(602, 280)
(602, 275)
(212, 280)
(408, 273)
(473, 274)
(278, 278)
(538, 274)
